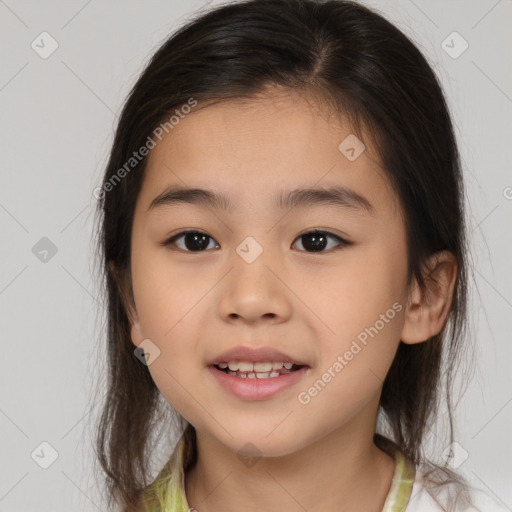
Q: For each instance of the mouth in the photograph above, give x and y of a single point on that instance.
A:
(257, 381)
(258, 370)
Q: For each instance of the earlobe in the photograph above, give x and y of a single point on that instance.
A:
(129, 306)
(135, 328)
(427, 309)
(136, 334)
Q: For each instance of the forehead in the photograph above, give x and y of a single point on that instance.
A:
(248, 149)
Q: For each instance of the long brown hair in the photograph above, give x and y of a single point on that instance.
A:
(361, 66)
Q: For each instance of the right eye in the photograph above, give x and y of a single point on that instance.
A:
(193, 241)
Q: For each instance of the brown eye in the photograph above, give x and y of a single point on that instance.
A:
(193, 241)
(318, 241)
(197, 241)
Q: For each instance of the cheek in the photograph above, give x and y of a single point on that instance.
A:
(168, 306)
(165, 294)
(171, 377)
(362, 305)
(361, 289)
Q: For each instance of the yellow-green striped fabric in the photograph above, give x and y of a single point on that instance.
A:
(167, 493)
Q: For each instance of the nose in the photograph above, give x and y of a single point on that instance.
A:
(255, 291)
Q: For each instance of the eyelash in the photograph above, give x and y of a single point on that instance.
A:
(342, 242)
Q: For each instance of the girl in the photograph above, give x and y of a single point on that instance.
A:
(282, 236)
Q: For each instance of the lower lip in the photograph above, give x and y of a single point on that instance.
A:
(257, 389)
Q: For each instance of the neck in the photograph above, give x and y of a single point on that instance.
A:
(343, 471)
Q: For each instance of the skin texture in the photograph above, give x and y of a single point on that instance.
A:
(310, 305)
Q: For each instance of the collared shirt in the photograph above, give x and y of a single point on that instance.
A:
(407, 493)
(169, 486)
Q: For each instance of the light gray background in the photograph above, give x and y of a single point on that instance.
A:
(57, 120)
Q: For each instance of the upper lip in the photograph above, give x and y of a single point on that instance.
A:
(255, 355)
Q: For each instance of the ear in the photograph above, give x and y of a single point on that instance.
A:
(125, 293)
(427, 310)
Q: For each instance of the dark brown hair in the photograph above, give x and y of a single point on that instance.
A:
(359, 65)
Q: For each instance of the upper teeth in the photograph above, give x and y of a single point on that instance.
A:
(247, 366)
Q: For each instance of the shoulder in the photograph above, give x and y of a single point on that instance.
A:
(429, 495)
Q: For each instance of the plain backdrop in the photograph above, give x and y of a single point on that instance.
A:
(58, 116)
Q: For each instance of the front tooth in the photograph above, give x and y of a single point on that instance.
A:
(233, 366)
(262, 367)
(277, 366)
(288, 365)
(246, 366)
(262, 375)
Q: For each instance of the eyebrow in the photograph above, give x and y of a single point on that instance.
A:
(333, 196)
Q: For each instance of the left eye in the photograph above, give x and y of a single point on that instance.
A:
(196, 241)
(318, 240)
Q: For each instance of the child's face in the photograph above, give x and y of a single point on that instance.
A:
(308, 305)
